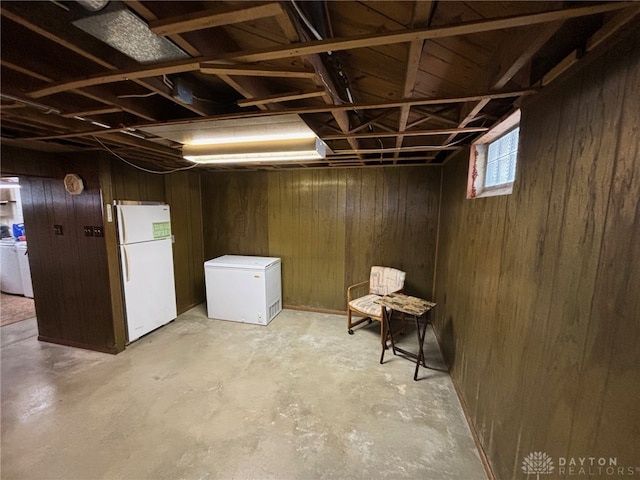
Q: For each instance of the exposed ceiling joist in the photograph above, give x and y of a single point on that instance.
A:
(89, 113)
(144, 12)
(213, 18)
(386, 83)
(422, 12)
(412, 133)
(286, 97)
(329, 109)
(337, 44)
(616, 23)
(254, 71)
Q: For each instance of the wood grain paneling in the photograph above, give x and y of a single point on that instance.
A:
(328, 226)
(537, 291)
(235, 214)
(306, 228)
(69, 272)
(184, 196)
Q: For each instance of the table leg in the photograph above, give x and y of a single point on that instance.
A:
(421, 335)
(387, 332)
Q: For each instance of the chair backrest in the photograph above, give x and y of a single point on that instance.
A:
(385, 280)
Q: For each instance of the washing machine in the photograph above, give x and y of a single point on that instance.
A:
(10, 277)
(25, 271)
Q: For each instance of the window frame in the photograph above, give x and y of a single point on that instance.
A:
(478, 160)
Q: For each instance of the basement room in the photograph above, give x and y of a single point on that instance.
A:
(316, 239)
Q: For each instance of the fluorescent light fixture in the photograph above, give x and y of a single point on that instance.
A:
(257, 151)
(276, 127)
(125, 32)
(269, 138)
(242, 138)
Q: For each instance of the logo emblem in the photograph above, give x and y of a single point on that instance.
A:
(538, 463)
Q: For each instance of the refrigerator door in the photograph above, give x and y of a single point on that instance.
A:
(149, 287)
(143, 223)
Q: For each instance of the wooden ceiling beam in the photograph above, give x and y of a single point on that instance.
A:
(147, 14)
(365, 106)
(335, 44)
(213, 18)
(254, 71)
(308, 110)
(98, 94)
(89, 113)
(531, 43)
(370, 122)
(24, 71)
(515, 57)
(411, 133)
(616, 23)
(420, 148)
(294, 32)
(247, 87)
(422, 12)
(124, 139)
(284, 97)
(380, 39)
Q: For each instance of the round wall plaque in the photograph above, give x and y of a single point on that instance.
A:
(73, 184)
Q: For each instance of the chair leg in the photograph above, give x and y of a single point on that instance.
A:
(349, 330)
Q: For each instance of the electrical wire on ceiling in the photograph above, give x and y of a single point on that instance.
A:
(306, 21)
(47, 110)
(339, 71)
(139, 95)
(167, 82)
(156, 172)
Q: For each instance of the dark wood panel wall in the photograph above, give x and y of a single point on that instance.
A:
(69, 272)
(538, 310)
(328, 226)
(184, 196)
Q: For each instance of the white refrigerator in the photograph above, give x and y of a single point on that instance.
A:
(146, 260)
(243, 288)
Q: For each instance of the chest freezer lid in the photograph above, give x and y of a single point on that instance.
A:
(241, 261)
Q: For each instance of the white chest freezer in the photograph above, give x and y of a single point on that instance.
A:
(243, 288)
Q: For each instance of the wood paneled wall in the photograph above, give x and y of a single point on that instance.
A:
(184, 196)
(538, 309)
(328, 226)
(69, 272)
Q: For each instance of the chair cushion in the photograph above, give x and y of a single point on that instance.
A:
(385, 280)
(366, 305)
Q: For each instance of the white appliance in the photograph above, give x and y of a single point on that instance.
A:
(10, 278)
(146, 260)
(243, 288)
(25, 271)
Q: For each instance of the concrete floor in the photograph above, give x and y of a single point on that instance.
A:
(207, 399)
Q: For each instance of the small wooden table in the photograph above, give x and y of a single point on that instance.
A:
(415, 306)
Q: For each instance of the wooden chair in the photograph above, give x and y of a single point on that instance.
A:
(361, 296)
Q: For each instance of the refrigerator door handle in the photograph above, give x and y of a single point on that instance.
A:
(123, 225)
(125, 263)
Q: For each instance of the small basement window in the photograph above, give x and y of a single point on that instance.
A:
(492, 163)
